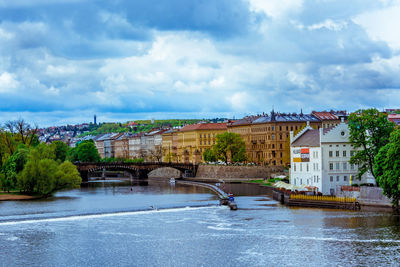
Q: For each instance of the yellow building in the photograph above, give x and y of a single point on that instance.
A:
(267, 136)
(188, 144)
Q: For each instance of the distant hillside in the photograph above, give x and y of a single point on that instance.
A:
(141, 126)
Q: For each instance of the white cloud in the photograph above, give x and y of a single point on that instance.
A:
(383, 24)
(276, 8)
(60, 70)
(8, 83)
(329, 24)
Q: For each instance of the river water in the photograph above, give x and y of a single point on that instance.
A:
(164, 225)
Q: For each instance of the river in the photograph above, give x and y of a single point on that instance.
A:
(107, 224)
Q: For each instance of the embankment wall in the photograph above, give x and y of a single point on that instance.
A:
(221, 172)
(236, 172)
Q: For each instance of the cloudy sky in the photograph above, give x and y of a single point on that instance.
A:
(64, 61)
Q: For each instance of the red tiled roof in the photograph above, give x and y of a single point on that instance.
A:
(204, 126)
(325, 115)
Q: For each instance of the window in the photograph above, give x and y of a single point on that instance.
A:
(344, 153)
(213, 142)
(294, 166)
(213, 135)
(280, 128)
(316, 154)
(337, 166)
(209, 142)
(273, 137)
(337, 178)
(273, 145)
(301, 181)
(316, 166)
(291, 128)
(280, 136)
(273, 128)
(337, 153)
(345, 178)
(301, 167)
(331, 178)
(200, 135)
(330, 154)
(209, 135)
(200, 142)
(280, 146)
(344, 165)
(287, 128)
(351, 167)
(307, 167)
(331, 166)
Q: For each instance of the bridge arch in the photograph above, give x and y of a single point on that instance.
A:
(139, 170)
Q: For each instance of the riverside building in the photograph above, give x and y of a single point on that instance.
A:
(267, 136)
(320, 158)
(188, 144)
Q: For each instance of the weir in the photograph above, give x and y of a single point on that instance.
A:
(223, 196)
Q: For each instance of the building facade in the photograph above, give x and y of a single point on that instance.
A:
(267, 136)
(188, 144)
(320, 158)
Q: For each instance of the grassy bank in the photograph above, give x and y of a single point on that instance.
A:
(268, 182)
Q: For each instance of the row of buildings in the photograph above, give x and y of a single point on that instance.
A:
(266, 137)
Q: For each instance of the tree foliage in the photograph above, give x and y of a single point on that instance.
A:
(84, 152)
(14, 164)
(209, 155)
(387, 168)
(230, 146)
(61, 150)
(370, 131)
(43, 175)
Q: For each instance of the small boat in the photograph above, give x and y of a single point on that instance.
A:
(172, 181)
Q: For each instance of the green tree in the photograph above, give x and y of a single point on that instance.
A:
(67, 177)
(209, 155)
(14, 164)
(370, 131)
(43, 175)
(87, 152)
(387, 168)
(230, 146)
(61, 149)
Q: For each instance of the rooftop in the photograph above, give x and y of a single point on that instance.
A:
(284, 117)
(325, 115)
(204, 126)
(309, 138)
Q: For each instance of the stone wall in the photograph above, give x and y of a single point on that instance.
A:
(366, 195)
(238, 172)
(165, 173)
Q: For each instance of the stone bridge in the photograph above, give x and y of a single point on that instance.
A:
(139, 170)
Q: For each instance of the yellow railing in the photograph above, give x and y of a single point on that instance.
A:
(324, 198)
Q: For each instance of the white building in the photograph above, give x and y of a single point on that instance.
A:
(321, 157)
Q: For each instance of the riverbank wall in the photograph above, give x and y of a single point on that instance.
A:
(370, 198)
(216, 173)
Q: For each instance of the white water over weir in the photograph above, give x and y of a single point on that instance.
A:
(223, 197)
